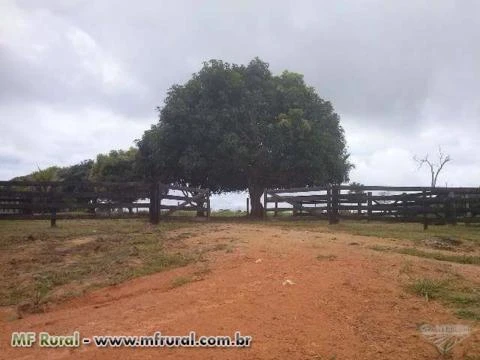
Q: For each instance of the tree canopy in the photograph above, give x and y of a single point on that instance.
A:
(235, 127)
(116, 166)
(49, 174)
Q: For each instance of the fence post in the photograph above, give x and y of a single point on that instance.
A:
(276, 209)
(369, 204)
(404, 207)
(162, 190)
(265, 204)
(297, 208)
(154, 204)
(248, 206)
(208, 204)
(53, 211)
(453, 208)
(424, 210)
(53, 218)
(329, 201)
(468, 213)
(334, 207)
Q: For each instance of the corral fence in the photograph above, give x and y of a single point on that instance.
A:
(403, 204)
(58, 199)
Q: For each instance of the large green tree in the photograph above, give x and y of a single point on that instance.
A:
(235, 127)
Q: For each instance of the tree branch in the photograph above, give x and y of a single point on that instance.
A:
(435, 168)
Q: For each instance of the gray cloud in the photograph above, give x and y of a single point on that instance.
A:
(406, 72)
(370, 58)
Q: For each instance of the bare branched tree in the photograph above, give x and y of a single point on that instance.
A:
(435, 167)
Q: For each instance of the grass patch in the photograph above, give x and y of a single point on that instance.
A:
(215, 213)
(200, 273)
(463, 297)
(158, 262)
(428, 288)
(219, 247)
(228, 213)
(182, 236)
(460, 259)
(401, 231)
(380, 248)
(326, 257)
(228, 248)
(181, 280)
(21, 232)
(38, 263)
(406, 268)
(468, 314)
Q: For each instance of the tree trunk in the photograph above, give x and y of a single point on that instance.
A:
(200, 213)
(256, 193)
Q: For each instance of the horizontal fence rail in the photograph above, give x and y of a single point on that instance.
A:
(404, 204)
(58, 199)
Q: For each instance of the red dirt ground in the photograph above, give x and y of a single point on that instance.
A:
(352, 305)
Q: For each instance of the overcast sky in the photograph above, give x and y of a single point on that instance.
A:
(82, 77)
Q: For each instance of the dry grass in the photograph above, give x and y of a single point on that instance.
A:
(40, 264)
(468, 235)
(440, 256)
(454, 292)
(447, 244)
(181, 280)
(326, 257)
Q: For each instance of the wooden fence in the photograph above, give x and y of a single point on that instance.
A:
(408, 204)
(58, 199)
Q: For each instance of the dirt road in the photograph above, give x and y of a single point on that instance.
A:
(341, 301)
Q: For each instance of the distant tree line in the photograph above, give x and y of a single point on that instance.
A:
(116, 166)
